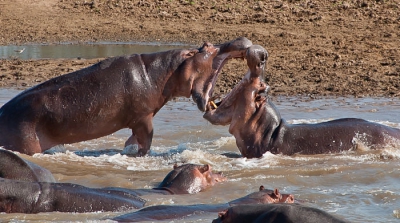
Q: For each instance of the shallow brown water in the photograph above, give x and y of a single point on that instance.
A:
(360, 186)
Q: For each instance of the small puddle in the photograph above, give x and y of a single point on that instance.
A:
(86, 51)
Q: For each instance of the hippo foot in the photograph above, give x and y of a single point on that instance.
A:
(131, 150)
(55, 149)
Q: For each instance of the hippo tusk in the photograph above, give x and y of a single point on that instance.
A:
(213, 104)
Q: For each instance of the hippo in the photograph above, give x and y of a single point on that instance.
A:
(170, 212)
(264, 196)
(185, 179)
(18, 196)
(257, 126)
(275, 213)
(116, 93)
(14, 167)
(35, 189)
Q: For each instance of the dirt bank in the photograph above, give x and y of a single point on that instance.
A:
(316, 47)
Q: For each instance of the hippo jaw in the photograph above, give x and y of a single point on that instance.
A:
(248, 89)
(244, 91)
(242, 109)
(203, 97)
(234, 49)
(221, 113)
(199, 71)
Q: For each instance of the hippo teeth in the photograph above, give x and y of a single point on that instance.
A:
(213, 104)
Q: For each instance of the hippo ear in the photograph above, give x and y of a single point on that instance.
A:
(289, 199)
(276, 192)
(222, 214)
(262, 188)
(190, 53)
(175, 166)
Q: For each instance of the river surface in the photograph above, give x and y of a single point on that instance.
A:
(360, 186)
(86, 51)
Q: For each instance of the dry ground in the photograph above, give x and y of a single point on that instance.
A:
(316, 47)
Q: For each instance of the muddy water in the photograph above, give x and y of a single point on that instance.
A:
(360, 186)
(87, 51)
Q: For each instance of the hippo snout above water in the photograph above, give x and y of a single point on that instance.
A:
(190, 178)
(169, 212)
(275, 213)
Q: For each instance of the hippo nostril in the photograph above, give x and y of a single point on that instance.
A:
(207, 44)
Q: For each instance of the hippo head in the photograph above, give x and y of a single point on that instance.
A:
(264, 196)
(200, 72)
(190, 179)
(247, 110)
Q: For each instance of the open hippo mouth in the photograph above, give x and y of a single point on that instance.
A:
(260, 95)
(235, 49)
(256, 60)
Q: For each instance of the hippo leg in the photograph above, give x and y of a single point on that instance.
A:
(132, 140)
(29, 144)
(142, 133)
(131, 147)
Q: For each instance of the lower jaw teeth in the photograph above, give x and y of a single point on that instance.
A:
(213, 104)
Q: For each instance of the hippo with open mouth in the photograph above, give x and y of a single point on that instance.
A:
(116, 93)
(258, 127)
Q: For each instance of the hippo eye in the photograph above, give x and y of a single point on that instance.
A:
(258, 97)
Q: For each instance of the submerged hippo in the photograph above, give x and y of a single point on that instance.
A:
(116, 93)
(258, 127)
(169, 212)
(28, 188)
(33, 197)
(275, 213)
(14, 167)
(264, 196)
(184, 179)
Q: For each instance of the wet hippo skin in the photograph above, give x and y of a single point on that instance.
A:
(17, 196)
(34, 197)
(184, 179)
(116, 93)
(169, 212)
(28, 188)
(275, 213)
(14, 167)
(257, 126)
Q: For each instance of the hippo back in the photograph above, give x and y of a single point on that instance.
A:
(14, 167)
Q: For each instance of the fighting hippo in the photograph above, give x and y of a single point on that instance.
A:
(169, 212)
(35, 190)
(275, 213)
(258, 127)
(116, 93)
